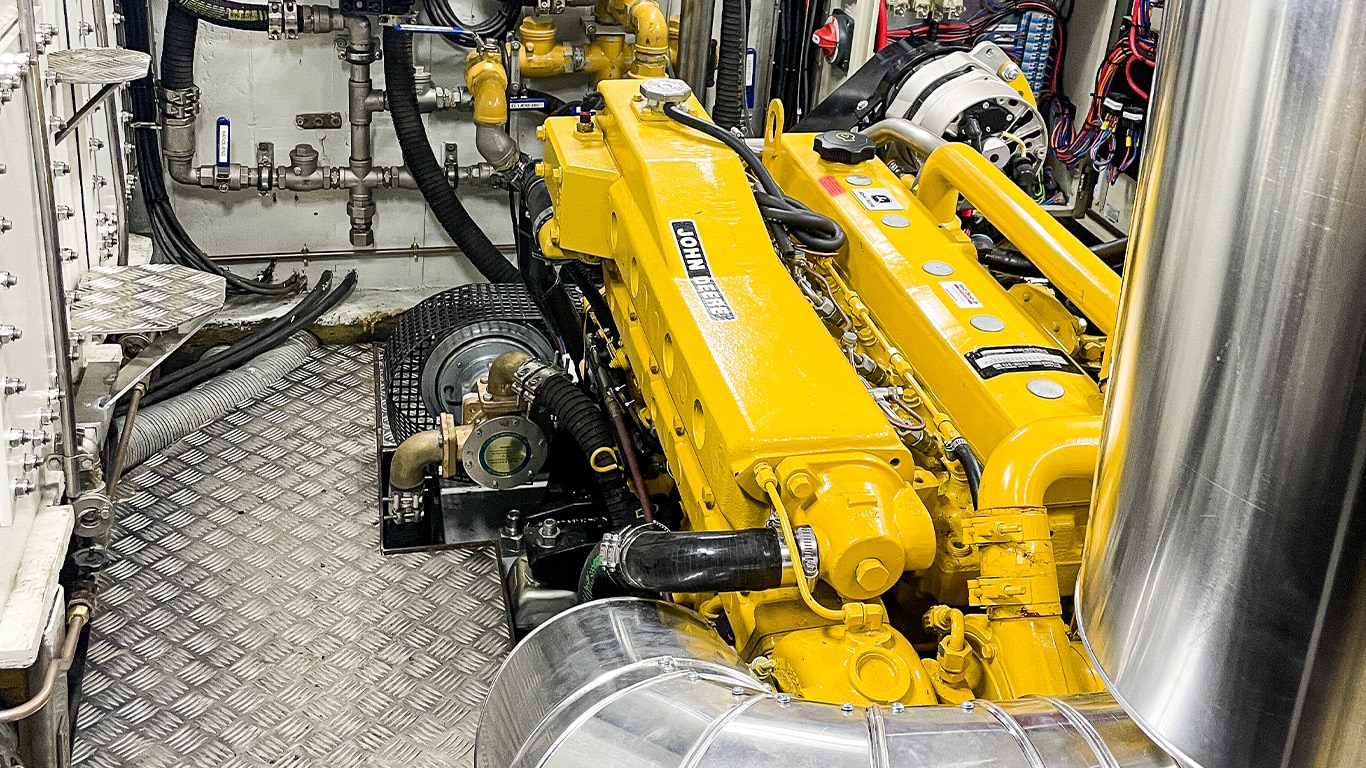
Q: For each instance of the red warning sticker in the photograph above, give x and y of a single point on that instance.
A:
(831, 185)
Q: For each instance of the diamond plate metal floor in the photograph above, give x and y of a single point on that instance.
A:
(250, 619)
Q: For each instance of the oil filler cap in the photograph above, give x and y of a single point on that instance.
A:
(844, 147)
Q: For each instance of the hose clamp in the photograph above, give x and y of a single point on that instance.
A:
(609, 552)
(808, 551)
(180, 103)
(529, 378)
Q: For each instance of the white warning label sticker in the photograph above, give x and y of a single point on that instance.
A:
(960, 294)
(990, 362)
(878, 199)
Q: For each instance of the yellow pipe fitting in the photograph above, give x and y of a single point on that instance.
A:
(651, 26)
(957, 169)
(1021, 469)
(487, 82)
(541, 55)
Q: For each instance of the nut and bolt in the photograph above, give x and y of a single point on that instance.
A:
(14, 386)
(548, 533)
(847, 708)
(61, 168)
(8, 280)
(23, 487)
(9, 333)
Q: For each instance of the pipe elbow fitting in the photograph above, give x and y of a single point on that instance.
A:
(487, 82)
(412, 457)
(495, 146)
(651, 27)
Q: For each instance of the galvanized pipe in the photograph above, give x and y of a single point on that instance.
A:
(694, 44)
(1223, 593)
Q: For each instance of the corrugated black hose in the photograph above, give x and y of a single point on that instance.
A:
(426, 171)
(556, 401)
(225, 13)
(728, 111)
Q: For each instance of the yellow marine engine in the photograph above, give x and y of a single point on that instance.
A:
(865, 463)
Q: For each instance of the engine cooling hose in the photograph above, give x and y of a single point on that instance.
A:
(557, 401)
(728, 111)
(426, 171)
(648, 559)
(160, 425)
(959, 449)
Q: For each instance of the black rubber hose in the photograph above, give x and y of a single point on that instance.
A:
(426, 171)
(971, 466)
(654, 560)
(1113, 251)
(556, 401)
(531, 204)
(729, 108)
(583, 277)
(813, 230)
(235, 357)
(225, 13)
(177, 48)
(1013, 262)
(252, 345)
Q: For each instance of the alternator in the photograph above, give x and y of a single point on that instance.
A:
(968, 96)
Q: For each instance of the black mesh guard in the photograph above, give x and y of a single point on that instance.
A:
(425, 325)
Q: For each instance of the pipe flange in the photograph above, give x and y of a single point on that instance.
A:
(504, 452)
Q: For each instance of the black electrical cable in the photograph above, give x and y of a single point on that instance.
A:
(422, 164)
(496, 27)
(252, 345)
(813, 230)
(583, 277)
(171, 241)
(554, 105)
(178, 383)
(728, 109)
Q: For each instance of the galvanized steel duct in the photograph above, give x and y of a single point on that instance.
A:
(629, 683)
(1223, 592)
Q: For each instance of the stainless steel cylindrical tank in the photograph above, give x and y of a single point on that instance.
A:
(1223, 593)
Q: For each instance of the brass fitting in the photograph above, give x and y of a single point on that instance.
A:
(502, 371)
